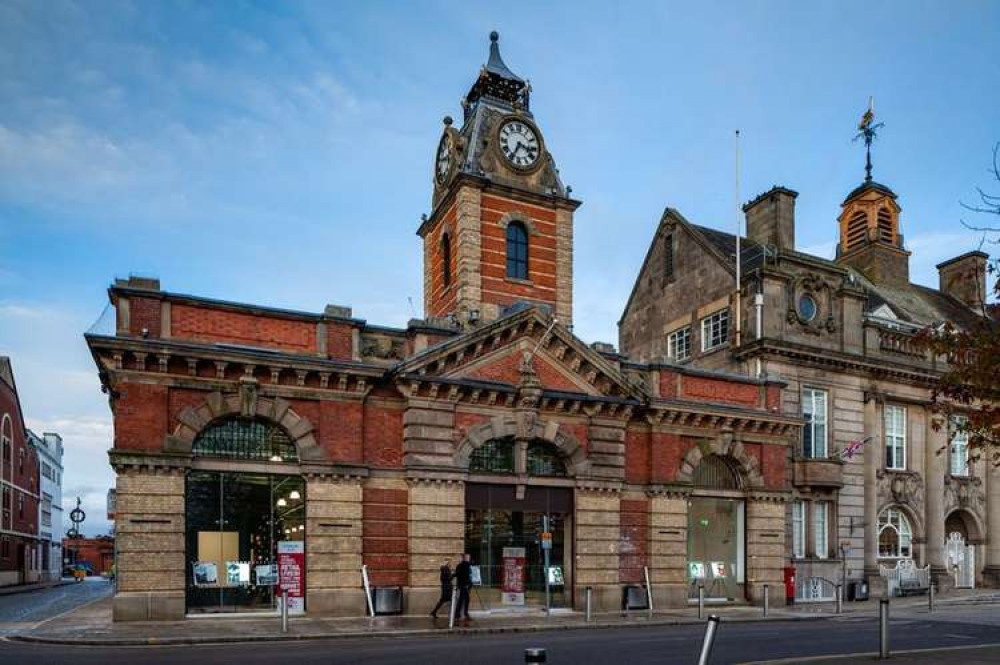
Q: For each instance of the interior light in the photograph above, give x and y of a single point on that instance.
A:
(288, 531)
(294, 495)
(282, 503)
(275, 458)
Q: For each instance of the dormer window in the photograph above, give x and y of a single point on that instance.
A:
(517, 251)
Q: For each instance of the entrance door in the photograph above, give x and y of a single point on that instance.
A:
(504, 535)
(234, 524)
(715, 548)
(961, 560)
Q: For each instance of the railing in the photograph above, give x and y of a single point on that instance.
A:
(905, 574)
(899, 343)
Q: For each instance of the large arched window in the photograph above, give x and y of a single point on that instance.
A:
(895, 536)
(446, 259)
(245, 438)
(494, 456)
(544, 460)
(6, 441)
(715, 472)
(517, 251)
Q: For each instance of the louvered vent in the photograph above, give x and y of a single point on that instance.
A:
(885, 231)
(857, 230)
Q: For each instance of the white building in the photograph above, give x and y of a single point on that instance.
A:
(50, 510)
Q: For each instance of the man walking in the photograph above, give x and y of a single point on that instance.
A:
(463, 577)
(446, 576)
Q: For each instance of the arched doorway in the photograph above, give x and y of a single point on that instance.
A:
(716, 542)
(240, 511)
(960, 553)
(518, 517)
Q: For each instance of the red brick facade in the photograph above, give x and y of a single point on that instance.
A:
(19, 489)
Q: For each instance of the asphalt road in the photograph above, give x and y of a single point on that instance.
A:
(632, 646)
(21, 610)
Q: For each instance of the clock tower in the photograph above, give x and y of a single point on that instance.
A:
(501, 225)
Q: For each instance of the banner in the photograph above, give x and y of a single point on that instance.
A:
(292, 573)
(513, 576)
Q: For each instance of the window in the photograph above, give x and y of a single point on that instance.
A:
(895, 437)
(20, 461)
(517, 251)
(668, 259)
(242, 438)
(814, 412)
(895, 537)
(4, 548)
(494, 456)
(821, 513)
(679, 344)
(715, 330)
(46, 510)
(544, 460)
(20, 506)
(6, 439)
(959, 447)
(807, 307)
(446, 260)
(798, 529)
(46, 470)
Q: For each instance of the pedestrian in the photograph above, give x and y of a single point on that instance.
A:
(446, 576)
(463, 577)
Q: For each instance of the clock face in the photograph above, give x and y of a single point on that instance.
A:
(519, 144)
(442, 164)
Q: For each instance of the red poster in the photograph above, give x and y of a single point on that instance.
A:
(513, 576)
(292, 573)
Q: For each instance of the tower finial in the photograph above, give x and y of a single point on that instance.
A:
(494, 36)
(867, 129)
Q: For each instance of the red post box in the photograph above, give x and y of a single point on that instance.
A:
(789, 584)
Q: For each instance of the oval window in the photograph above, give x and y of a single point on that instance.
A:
(807, 307)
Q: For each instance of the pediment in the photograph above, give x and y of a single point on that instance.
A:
(493, 354)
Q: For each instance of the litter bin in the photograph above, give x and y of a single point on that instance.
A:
(388, 599)
(858, 591)
(634, 597)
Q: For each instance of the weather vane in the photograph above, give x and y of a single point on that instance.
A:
(867, 129)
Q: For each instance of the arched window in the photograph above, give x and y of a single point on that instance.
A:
(544, 460)
(494, 456)
(715, 472)
(245, 438)
(6, 441)
(895, 536)
(446, 259)
(517, 251)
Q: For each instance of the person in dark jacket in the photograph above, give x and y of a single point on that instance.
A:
(463, 577)
(446, 576)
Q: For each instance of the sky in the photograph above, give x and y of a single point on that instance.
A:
(281, 153)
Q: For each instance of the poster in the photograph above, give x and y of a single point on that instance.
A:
(292, 573)
(556, 576)
(513, 576)
(205, 573)
(696, 570)
(267, 574)
(719, 569)
(475, 576)
(237, 572)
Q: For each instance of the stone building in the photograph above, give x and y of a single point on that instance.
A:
(19, 546)
(874, 482)
(487, 427)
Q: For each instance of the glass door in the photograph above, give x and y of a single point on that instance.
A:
(715, 548)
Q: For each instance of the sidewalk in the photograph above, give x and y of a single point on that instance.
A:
(975, 655)
(91, 624)
(27, 588)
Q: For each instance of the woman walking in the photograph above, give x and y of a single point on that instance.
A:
(446, 576)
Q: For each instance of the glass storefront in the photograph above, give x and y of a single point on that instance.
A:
(234, 524)
(504, 535)
(716, 548)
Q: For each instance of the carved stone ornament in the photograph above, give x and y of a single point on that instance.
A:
(965, 493)
(249, 387)
(902, 487)
(820, 319)
(382, 348)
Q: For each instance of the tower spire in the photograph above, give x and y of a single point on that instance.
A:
(867, 130)
(497, 84)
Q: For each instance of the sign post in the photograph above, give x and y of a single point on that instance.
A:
(546, 551)
(292, 574)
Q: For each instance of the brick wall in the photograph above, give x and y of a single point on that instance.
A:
(506, 369)
(339, 341)
(141, 416)
(719, 391)
(383, 435)
(212, 325)
(144, 313)
(385, 515)
(634, 547)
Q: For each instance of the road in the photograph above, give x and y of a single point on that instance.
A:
(738, 642)
(19, 611)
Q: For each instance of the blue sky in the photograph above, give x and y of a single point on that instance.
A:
(280, 153)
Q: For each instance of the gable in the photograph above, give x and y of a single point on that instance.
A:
(504, 366)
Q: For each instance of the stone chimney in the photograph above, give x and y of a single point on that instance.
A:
(964, 278)
(771, 218)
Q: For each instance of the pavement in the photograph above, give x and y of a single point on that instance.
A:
(29, 608)
(970, 655)
(91, 623)
(28, 588)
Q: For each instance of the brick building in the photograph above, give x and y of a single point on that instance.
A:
(876, 486)
(241, 429)
(19, 544)
(97, 553)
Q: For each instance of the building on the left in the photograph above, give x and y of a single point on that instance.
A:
(19, 489)
(49, 448)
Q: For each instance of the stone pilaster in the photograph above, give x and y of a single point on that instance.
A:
(149, 531)
(564, 266)
(873, 450)
(469, 251)
(668, 550)
(935, 459)
(333, 546)
(765, 519)
(598, 540)
(428, 431)
(437, 532)
(991, 573)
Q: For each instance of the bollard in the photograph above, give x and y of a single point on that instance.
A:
(534, 655)
(649, 594)
(589, 592)
(701, 601)
(883, 628)
(284, 610)
(840, 599)
(451, 609)
(705, 658)
(930, 597)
